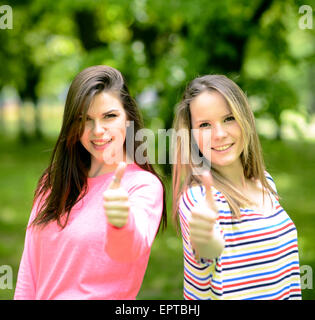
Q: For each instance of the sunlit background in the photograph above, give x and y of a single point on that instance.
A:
(266, 46)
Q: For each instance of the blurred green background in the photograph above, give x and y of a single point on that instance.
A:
(266, 46)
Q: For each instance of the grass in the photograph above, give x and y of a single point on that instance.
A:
(291, 165)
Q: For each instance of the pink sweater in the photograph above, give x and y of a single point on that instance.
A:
(89, 258)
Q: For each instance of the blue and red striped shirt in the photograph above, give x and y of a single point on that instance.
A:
(260, 259)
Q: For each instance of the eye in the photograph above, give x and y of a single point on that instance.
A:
(229, 118)
(205, 125)
(88, 118)
(110, 115)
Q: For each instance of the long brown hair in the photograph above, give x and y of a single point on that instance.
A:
(64, 182)
(251, 157)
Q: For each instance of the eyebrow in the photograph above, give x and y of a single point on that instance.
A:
(227, 115)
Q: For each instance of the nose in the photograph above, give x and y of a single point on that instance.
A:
(218, 132)
(98, 129)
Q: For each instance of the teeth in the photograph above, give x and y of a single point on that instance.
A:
(101, 143)
(223, 148)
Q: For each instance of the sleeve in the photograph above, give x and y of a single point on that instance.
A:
(190, 198)
(136, 237)
(197, 272)
(272, 184)
(25, 285)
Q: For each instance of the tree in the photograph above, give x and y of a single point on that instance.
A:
(158, 46)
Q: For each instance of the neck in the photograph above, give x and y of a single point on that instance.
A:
(235, 174)
(99, 168)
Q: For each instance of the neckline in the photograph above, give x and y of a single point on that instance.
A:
(269, 211)
(91, 180)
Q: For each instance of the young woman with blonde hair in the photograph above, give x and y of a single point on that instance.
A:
(238, 241)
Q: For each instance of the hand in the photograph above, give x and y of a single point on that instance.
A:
(116, 199)
(206, 242)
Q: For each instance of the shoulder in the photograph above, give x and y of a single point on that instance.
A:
(145, 190)
(195, 195)
(270, 181)
(137, 177)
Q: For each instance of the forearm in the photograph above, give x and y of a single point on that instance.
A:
(135, 238)
(132, 240)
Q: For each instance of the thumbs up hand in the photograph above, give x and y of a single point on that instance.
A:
(116, 199)
(206, 240)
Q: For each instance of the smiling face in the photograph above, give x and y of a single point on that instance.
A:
(105, 130)
(219, 136)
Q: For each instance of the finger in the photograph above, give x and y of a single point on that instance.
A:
(119, 172)
(116, 205)
(196, 226)
(207, 181)
(116, 214)
(118, 222)
(204, 220)
(115, 195)
(201, 238)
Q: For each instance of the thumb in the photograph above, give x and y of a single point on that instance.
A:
(119, 172)
(207, 181)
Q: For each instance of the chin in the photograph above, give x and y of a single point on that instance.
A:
(222, 164)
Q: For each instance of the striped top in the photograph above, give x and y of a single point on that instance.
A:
(260, 259)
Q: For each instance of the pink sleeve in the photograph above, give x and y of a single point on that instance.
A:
(25, 285)
(136, 237)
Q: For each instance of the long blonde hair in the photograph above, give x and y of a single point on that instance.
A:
(251, 157)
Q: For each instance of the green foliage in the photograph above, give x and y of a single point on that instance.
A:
(159, 45)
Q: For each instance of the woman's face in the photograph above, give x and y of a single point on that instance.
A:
(218, 135)
(105, 129)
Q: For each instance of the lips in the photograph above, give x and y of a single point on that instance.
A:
(223, 147)
(101, 143)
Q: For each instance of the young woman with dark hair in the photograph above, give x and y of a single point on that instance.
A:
(96, 211)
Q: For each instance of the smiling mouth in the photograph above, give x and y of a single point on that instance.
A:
(101, 143)
(223, 148)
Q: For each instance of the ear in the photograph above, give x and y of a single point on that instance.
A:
(127, 123)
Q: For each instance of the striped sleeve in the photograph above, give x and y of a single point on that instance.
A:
(271, 182)
(190, 198)
(197, 272)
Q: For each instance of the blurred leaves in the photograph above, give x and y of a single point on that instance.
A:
(161, 45)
